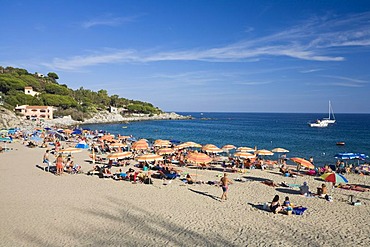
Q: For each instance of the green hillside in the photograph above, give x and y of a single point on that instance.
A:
(80, 104)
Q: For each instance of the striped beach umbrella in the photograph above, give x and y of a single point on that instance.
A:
(120, 155)
(149, 157)
(334, 178)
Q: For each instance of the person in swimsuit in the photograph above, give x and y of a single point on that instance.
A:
(46, 159)
(59, 164)
(225, 186)
(275, 206)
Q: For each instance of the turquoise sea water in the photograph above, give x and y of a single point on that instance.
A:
(264, 130)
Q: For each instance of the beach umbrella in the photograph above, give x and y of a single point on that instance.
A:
(181, 146)
(213, 150)
(164, 151)
(162, 143)
(192, 145)
(228, 147)
(209, 146)
(280, 150)
(120, 155)
(149, 157)
(303, 162)
(350, 156)
(36, 138)
(70, 150)
(198, 158)
(118, 145)
(124, 137)
(244, 155)
(245, 149)
(140, 145)
(334, 178)
(263, 152)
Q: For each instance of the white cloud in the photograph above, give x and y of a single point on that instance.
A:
(314, 40)
(108, 21)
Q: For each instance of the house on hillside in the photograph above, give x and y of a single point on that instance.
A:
(113, 109)
(29, 91)
(39, 75)
(35, 112)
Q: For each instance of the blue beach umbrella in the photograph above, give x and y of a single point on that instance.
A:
(350, 156)
(36, 138)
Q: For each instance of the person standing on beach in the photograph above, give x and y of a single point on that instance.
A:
(225, 186)
(46, 159)
(59, 164)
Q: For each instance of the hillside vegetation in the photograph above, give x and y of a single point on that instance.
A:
(80, 104)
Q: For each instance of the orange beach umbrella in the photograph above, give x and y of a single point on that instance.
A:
(303, 162)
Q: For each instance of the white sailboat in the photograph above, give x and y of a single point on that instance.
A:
(322, 123)
(329, 120)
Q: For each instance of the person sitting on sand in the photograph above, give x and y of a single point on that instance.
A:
(69, 165)
(304, 189)
(323, 191)
(96, 169)
(189, 179)
(275, 206)
(286, 203)
(107, 173)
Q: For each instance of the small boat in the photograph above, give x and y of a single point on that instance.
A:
(318, 124)
(124, 127)
(341, 143)
(321, 123)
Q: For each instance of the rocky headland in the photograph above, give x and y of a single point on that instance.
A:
(9, 119)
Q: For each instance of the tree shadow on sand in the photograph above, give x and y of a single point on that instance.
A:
(123, 223)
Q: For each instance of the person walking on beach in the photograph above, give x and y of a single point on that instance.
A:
(225, 186)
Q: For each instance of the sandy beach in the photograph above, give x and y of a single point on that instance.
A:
(40, 209)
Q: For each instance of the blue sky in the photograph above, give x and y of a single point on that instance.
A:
(198, 55)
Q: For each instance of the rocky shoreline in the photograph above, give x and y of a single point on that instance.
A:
(9, 119)
(106, 117)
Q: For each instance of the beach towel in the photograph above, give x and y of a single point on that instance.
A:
(299, 210)
(294, 185)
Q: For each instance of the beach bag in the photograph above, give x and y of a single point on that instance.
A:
(148, 181)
